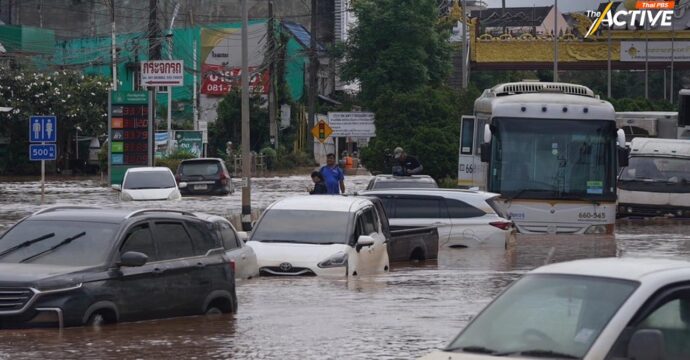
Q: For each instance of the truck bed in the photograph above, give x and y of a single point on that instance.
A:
(412, 243)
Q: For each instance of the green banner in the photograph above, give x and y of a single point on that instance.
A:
(190, 141)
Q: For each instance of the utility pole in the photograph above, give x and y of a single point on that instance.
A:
(273, 129)
(313, 76)
(555, 41)
(646, 63)
(465, 47)
(154, 31)
(246, 156)
(608, 65)
(113, 48)
(673, 49)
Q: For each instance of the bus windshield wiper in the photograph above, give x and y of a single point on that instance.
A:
(519, 193)
(27, 243)
(61, 243)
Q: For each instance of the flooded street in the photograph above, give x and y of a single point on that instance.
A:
(404, 314)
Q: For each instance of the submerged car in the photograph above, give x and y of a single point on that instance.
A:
(321, 235)
(400, 182)
(148, 183)
(616, 308)
(70, 266)
(464, 218)
(205, 176)
(236, 250)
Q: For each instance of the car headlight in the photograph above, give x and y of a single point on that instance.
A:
(175, 195)
(125, 196)
(596, 229)
(337, 260)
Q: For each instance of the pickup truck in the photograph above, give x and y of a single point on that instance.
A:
(595, 309)
(407, 243)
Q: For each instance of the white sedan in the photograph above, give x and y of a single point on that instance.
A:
(320, 235)
(148, 183)
(596, 309)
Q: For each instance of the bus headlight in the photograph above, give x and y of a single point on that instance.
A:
(596, 229)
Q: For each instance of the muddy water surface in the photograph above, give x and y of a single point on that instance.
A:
(404, 314)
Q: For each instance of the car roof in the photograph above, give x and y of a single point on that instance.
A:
(430, 191)
(148, 169)
(321, 203)
(422, 178)
(103, 215)
(201, 160)
(627, 268)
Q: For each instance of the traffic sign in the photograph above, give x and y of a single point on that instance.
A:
(42, 128)
(321, 131)
(42, 152)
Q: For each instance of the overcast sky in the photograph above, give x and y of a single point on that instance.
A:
(563, 5)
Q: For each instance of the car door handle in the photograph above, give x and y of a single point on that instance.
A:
(158, 271)
(438, 223)
(200, 265)
(244, 257)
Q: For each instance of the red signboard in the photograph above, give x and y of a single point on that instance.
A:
(220, 80)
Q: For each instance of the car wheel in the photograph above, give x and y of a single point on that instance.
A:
(95, 320)
(213, 311)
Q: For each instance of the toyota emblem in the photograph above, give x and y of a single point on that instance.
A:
(285, 267)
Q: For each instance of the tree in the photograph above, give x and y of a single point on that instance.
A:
(75, 99)
(399, 52)
(228, 127)
(397, 45)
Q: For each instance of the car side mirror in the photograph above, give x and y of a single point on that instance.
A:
(485, 150)
(133, 259)
(116, 187)
(242, 235)
(182, 185)
(365, 240)
(647, 344)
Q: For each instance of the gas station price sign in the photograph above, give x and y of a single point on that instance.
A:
(130, 131)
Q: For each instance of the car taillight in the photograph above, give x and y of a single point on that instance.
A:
(503, 225)
(232, 265)
(223, 177)
(178, 178)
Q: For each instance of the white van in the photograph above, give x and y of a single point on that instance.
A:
(656, 182)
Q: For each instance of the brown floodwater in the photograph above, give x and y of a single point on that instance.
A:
(404, 314)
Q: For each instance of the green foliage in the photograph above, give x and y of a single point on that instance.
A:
(173, 160)
(286, 160)
(396, 46)
(641, 104)
(228, 127)
(75, 99)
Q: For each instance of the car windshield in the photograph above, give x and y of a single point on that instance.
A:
(405, 184)
(149, 180)
(547, 159)
(544, 313)
(87, 249)
(200, 168)
(303, 226)
(657, 169)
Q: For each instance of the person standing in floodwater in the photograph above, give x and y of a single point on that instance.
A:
(333, 175)
(319, 184)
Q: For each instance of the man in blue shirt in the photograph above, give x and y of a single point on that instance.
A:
(335, 179)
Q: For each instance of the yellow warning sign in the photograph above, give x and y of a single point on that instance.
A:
(321, 131)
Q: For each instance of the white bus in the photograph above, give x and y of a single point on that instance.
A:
(551, 150)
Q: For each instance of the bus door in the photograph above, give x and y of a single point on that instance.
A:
(470, 167)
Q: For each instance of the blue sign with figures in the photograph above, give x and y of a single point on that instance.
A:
(42, 152)
(42, 129)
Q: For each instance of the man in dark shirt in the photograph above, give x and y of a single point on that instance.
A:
(406, 165)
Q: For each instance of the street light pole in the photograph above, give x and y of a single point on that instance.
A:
(246, 156)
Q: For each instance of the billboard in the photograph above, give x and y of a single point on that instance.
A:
(162, 73)
(221, 60)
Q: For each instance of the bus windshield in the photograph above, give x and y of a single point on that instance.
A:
(553, 159)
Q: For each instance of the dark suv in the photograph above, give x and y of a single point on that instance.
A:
(69, 266)
(205, 176)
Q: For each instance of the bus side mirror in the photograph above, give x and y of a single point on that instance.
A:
(485, 149)
(623, 156)
(487, 133)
